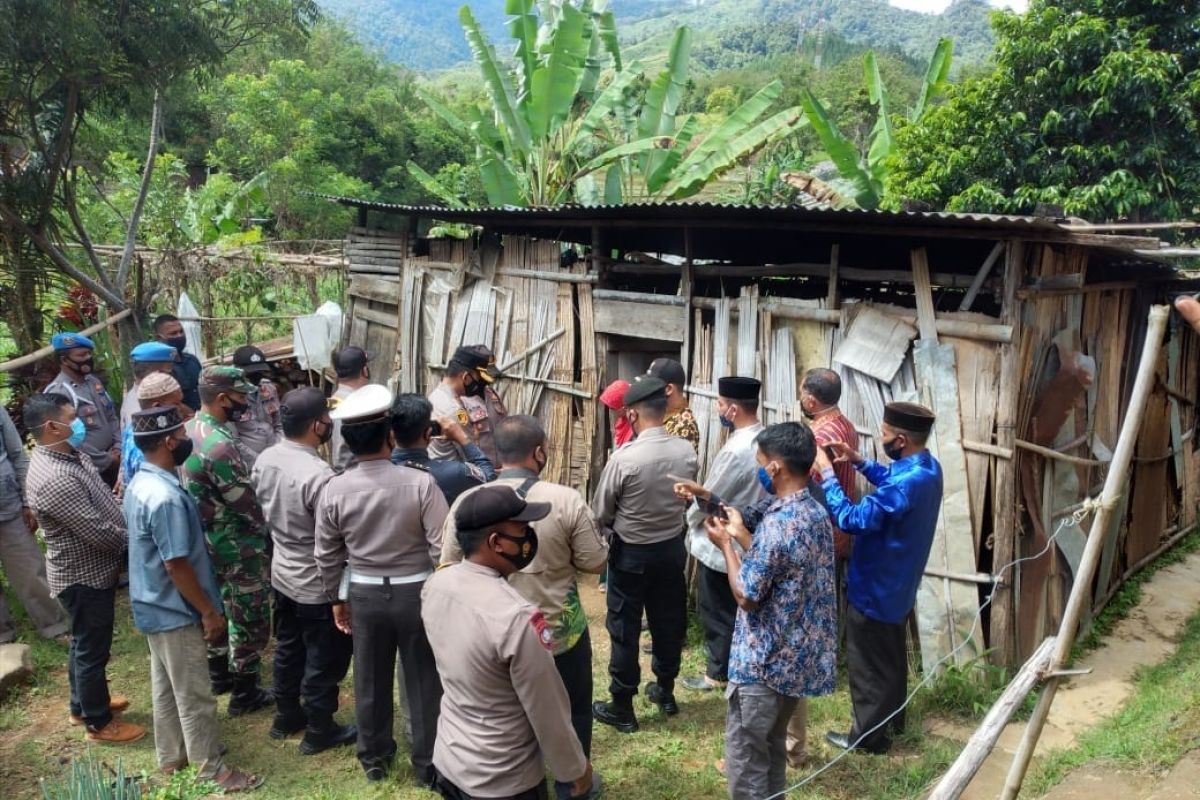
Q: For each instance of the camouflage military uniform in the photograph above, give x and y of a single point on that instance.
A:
(683, 424)
(216, 476)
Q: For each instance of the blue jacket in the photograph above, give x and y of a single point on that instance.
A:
(453, 476)
(893, 532)
(187, 371)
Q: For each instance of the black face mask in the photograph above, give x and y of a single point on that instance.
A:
(178, 342)
(183, 449)
(474, 388)
(892, 450)
(529, 547)
(85, 367)
(236, 411)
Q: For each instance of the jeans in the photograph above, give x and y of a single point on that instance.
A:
(91, 614)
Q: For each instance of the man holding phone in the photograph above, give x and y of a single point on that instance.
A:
(731, 480)
(415, 429)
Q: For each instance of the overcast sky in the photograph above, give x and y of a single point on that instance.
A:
(934, 6)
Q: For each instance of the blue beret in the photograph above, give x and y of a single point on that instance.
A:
(153, 352)
(70, 341)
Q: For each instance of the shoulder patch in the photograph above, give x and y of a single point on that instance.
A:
(463, 417)
(542, 629)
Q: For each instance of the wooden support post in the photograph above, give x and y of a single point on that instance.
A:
(1004, 486)
(980, 277)
(685, 292)
(1081, 588)
(831, 296)
(926, 319)
(981, 743)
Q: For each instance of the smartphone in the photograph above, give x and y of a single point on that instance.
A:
(713, 507)
(435, 428)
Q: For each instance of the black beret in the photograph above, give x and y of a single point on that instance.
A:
(909, 417)
(735, 388)
(644, 387)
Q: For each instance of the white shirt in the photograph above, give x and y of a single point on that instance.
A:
(732, 478)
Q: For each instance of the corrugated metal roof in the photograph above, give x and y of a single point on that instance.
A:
(700, 211)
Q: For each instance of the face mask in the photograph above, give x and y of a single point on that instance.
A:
(529, 547)
(183, 449)
(622, 432)
(892, 450)
(327, 434)
(86, 366)
(765, 481)
(236, 411)
(78, 433)
(474, 388)
(178, 342)
(725, 421)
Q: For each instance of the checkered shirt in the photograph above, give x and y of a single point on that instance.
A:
(81, 521)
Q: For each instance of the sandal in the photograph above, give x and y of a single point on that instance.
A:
(233, 780)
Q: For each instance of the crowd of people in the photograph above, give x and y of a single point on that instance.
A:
(415, 538)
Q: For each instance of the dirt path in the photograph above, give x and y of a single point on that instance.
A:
(1144, 638)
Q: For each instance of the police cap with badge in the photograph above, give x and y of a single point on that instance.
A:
(252, 361)
(152, 353)
(480, 358)
(62, 342)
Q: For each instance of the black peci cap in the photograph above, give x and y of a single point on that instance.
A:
(735, 388)
(909, 417)
(493, 504)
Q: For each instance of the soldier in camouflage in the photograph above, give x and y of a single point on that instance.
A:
(217, 476)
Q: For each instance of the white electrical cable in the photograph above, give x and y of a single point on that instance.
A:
(1089, 505)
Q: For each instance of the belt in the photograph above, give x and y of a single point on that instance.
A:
(373, 580)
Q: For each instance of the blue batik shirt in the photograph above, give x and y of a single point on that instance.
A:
(788, 643)
(163, 524)
(132, 457)
(893, 532)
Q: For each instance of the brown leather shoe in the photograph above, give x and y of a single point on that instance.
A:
(116, 705)
(117, 732)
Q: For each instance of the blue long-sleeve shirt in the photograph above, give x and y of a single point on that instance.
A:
(893, 532)
(453, 477)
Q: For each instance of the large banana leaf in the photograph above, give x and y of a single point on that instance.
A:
(593, 65)
(606, 103)
(606, 27)
(513, 124)
(523, 27)
(613, 194)
(663, 97)
(500, 181)
(483, 128)
(937, 75)
(731, 150)
(742, 118)
(556, 78)
(614, 154)
(841, 150)
(667, 166)
(882, 140)
(434, 186)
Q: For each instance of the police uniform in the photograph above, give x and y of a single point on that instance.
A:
(144, 353)
(635, 499)
(506, 714)
(217, 477)
(260, 426)
(386, 521)
(93, 406)
(350, 363)
(478, 414)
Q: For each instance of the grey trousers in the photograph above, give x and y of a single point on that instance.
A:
(755, 740)
(185, 711)
(25, 567)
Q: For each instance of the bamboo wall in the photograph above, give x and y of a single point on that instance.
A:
(992, 379)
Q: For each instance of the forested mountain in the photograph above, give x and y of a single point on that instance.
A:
(425, 34)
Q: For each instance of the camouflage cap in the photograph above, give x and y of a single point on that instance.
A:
(230, 379)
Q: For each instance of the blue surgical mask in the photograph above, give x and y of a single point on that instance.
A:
(764, 480)
(725, 422)
(78, 433)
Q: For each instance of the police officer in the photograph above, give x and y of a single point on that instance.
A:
(505, 710)
(218, 479)
(260, 426)
(414, 430)
(352, 366)
(466, 394)
(635, 499)
(77, 380)
(386, 520)
(147, 358)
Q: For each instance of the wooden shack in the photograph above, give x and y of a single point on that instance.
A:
(1018, 331)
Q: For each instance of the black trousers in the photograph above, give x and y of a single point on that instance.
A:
(575, 669)
(649, 577)
(91, 616)
(718, 610)
(311, 658)
(449, 791)
(387, 621)
(877, 659)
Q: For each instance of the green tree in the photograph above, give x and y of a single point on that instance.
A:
(1092, 106)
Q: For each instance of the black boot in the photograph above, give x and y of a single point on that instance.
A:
(619, 713)
(325, 735)
(219, 675)
(248, 696)
(287, 723)
(662, 696)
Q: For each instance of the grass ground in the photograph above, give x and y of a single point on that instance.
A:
(668, 758)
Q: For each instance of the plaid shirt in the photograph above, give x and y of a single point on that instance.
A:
(81, 520)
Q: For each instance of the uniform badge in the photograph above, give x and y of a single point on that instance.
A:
(542, 629)
(463, 418)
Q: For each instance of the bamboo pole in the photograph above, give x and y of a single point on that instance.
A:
(1081, 589)
(37, 355)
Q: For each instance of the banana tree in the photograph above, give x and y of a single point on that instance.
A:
(557, 131)
(866, 172)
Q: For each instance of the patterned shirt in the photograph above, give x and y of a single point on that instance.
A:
(788, 643)
(683, 424)
(96, 409)
(217, 478)
(834, 426)
(80, 519)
